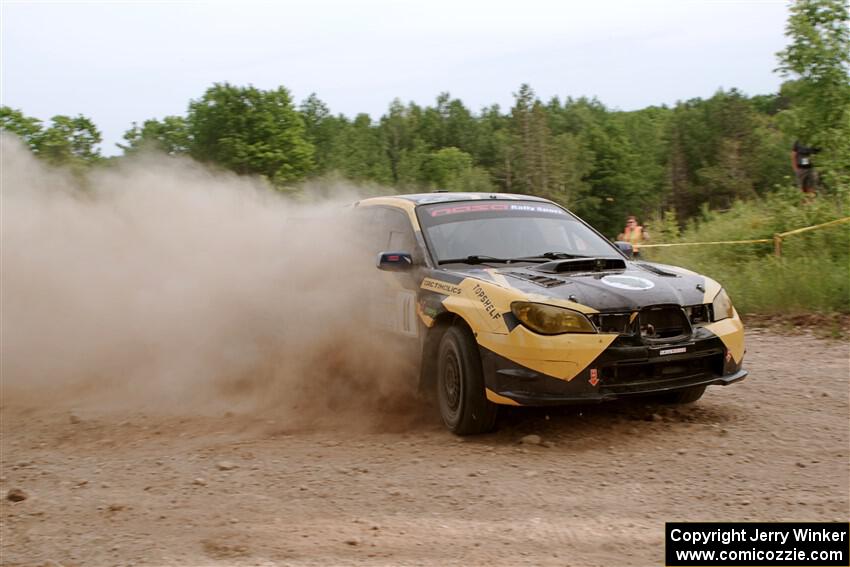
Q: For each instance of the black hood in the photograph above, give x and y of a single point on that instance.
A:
(631, 287)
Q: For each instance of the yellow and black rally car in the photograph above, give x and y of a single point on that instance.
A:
(513, 300)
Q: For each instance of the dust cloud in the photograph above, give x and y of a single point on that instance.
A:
(157, 283)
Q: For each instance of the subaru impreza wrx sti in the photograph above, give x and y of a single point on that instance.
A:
(513, 300)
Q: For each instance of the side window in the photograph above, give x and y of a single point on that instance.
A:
(397, 232)
(370, 233)
(387, 230)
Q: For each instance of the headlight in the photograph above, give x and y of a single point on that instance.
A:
(550, 320)
(722, 306)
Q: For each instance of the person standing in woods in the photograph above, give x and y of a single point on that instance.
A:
(633, 233)
(801, 161)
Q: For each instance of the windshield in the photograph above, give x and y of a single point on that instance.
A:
(495, 230)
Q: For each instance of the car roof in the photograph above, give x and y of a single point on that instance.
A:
(445, 197)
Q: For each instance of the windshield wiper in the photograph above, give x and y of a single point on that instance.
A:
(554, 256)
(478, 259)
(474, 259)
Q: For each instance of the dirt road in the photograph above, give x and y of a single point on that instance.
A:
(143, 489)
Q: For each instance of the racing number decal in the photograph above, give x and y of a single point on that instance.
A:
(395, 311)
(405, 310)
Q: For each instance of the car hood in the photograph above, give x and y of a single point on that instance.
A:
(636, 285)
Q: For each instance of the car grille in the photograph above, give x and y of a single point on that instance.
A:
(624, 377)
(663, 324)
(657, 323)
(613, 323)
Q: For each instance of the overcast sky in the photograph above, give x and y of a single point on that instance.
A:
(119, 62)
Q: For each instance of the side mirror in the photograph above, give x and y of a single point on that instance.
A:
(395, 261)
(625, 248)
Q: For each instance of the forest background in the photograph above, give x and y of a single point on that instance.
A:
(717, 168)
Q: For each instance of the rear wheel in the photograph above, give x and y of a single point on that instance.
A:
(463, 403)
(683, 396)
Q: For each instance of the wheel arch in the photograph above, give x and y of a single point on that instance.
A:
(442, 322)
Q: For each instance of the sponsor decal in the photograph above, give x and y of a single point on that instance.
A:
(538, 209)
(441, 287)
(628, 282)
(478, 207)
(667, 351)
(458, 209)
(489, 307)
(594, 377)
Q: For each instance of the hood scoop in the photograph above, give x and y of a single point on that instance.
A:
(540, 280)
(581, 265)
(656, 270)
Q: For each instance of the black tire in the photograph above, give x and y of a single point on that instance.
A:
(463, 403)
(683, 396)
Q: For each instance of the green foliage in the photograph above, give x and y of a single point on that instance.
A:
(398, 135)
(819, 54)
(170, 135)
(453, 169)
(250, 131)
(818, 58)
(357, 152)
(603, 164)
(322, 130)
(28, 129)
(664, 228)
(70, 140)
(447, 124)
(811, 274)
(66, 141)
(789, 285)
(723, 149)
(677, 166)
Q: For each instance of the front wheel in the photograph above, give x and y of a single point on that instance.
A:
(463, 403)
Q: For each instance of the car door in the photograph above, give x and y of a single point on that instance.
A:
(393, 300)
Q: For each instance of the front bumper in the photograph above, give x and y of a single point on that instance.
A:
(626, 368)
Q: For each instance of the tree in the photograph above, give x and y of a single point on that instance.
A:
(250, 131)
(28, 129)
(398, 136)
(70, 140)
(529, 135)
(720, 150)
(728, 179)
(322, 129)
(818, 57)
(170, 135)
(66, 141)
(453, 169)
(358, 151)
(448, 124)
(495, 151)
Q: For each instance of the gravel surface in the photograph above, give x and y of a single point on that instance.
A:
(98, 487)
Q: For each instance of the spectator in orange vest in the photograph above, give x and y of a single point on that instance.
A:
(634, 234)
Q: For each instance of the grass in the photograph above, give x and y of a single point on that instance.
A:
(812, 276)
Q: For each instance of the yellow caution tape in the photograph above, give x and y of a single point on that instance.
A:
(757, 241)
(830, 223)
